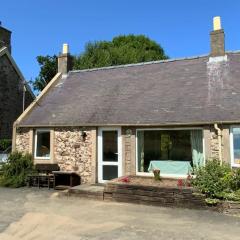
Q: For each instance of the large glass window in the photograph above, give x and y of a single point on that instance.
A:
(171, 151)
(42, 144)
(236, 146)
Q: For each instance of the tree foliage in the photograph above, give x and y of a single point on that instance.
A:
(123, 49)
(48, 69)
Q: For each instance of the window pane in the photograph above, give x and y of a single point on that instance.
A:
(236, 145)
(110, 172)
(166, 148)
(110, 146)
(43, 144)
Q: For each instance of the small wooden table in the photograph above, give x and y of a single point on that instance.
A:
(65, 179)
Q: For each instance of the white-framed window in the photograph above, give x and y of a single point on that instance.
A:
(42, 143)
(175, 151)
(235, 146)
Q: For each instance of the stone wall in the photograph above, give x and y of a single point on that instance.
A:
(11, 97)
(69, 149)
(23, 140)
(214, 144)
(5, 38)
(129, 150)
(153, 195)
(76, 153)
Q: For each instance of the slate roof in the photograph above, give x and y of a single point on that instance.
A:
(185, 91)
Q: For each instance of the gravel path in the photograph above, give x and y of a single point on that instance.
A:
(40, 214)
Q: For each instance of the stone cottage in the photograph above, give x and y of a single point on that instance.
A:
(113, 121)
(15, 94)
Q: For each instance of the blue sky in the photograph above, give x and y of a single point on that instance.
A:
(181, 27)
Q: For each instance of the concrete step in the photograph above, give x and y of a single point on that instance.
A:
(87, 191)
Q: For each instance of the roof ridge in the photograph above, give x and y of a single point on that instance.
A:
(139, 64)
(146, 63)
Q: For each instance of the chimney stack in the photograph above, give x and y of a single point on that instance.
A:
(217, 38)
(5, 38)
(64, 60)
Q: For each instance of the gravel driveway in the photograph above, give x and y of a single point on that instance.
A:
(41, 214)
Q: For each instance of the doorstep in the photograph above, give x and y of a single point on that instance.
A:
(90, 191)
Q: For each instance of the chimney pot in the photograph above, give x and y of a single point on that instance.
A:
(217, 23)
(65, 49)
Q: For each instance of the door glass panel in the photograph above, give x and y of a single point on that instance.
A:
(110, 172)
(110, 146)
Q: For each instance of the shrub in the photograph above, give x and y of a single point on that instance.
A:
(4, 144)
(213, 179)
(16, 169)
(231, 196)
(235, 179)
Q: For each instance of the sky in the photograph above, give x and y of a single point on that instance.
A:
(181, 27)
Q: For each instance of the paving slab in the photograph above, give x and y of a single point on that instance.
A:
(41, 214)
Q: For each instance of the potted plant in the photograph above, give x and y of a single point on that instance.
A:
(156, 173)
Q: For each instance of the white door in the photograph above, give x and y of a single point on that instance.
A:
(109, 154)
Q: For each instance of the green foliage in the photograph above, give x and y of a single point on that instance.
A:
(4, 144)
(212, 201)
(235, 179)
(48, 69)
(231, 196)
(16, 169)
(123, 49)
(217, 181)
(212, 179)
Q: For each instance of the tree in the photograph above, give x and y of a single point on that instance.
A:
(123, 49)
(48, 69)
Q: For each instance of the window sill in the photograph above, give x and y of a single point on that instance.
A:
(235, 165)
(42, 160)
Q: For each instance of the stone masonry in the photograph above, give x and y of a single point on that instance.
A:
(23, 140)
(225, 144)
(214, 145)
(129, 150)
(5, 38)
(71, 150)
(11, 97)
(74, 152)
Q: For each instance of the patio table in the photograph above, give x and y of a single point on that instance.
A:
(65, 179)
(171, 167)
